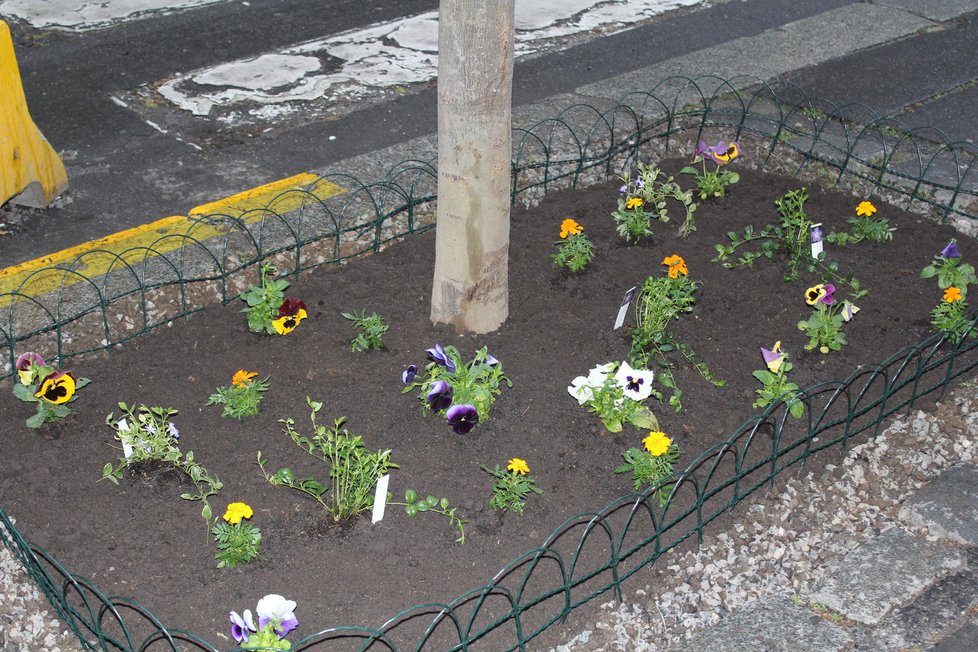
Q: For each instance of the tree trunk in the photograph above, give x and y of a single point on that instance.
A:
(475, 87)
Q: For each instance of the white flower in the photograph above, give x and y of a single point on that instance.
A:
(597, 376)
(581, 390)
(278, 611)
(637, 383)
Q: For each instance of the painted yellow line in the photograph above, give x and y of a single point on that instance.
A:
(97, 257)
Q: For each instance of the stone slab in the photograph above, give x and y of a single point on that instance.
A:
(940, 10)
(899, 73)
(947, 506)
(771, 625)
(962, 640)
(886, 572)
(776, 51)
(956, 112)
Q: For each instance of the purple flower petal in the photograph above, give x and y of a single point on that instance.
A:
(701, 148)
(439, 397)
(829, 297)
(439, 357)
(951, 250)
(462, 418)
(27, 359)
(409, 374)
(773, 358)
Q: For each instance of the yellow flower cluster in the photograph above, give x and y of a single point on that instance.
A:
(569, 227)
(517, 466)
(657, 443)
(237, 511)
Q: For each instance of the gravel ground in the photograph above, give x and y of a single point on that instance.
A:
(780, 548)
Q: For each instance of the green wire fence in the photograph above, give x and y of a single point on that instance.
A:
(213, 260)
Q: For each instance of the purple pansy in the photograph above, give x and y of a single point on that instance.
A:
(462, 418)
(701, 149)
(242, 628)
(773, 358)
(439, 357)
(951, 250)
(829, 297)
(439, 397)
(409, 374)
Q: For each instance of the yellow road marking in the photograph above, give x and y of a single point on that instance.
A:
(94, 258)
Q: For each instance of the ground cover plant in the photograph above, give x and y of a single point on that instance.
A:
(139, 539)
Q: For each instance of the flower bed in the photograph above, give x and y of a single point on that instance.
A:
(141, 540)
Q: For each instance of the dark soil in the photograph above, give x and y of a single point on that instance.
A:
(141, 540)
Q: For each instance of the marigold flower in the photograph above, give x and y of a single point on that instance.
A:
(657, 443)
(243, 378)
(237, 511)
(57, 387)
(952, 294)
(676, 265)
(569, 227)
(634, 202)
(517, 466)
(865, 208)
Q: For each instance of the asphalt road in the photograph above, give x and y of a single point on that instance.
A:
(122, 172)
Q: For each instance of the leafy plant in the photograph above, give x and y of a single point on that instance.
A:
(776, 386)
(574, 250)
(713, 183)
(241, 398)
(463, 392)
(662, 300)
(49, 390)
(269, 311)
(645, 199)
(615, 392)
(148, 434)
(371, 331)
(413, 505)
(864, 227)
(651, 464)
(512, 486)
(953, 277)
(353, 469)
(237, 542)
(824, 325)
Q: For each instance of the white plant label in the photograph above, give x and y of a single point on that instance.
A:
(623, 309)
(816, 240)
(380, 499)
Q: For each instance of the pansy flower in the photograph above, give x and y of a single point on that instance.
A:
(243, 378)
(517, 466)
(952, 294)
(237, 511)
(700, 152)
(581, 389)
(439, 396)
(848, 310)
(636, 383)
(657, 443)
(865, 208)
(290, 314)
(821, 293)
(24, 363)
(57, 387)
(440, 358)
(722, 153)
(569, 227)
(951, 250)
(676, 265)
(633, 202)
(462, 418)
(773, 357)
(409, 374)
(278, 611)
(242, 627)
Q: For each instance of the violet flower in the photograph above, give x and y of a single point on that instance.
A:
(951, 250)
(278, 611)
(172, 429)
(462, 418)
(24, 364)
(409, 374)
(773, 357)
(439, 357)
(241, 628)
(829, 297)
(439, 396)
(701, 148)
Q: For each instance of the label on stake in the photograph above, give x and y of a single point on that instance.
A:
(623, 309)
(816, 240)
(380, 498)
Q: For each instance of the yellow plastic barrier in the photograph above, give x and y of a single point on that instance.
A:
(31, 173)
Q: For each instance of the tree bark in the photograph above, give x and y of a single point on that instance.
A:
(470, 288)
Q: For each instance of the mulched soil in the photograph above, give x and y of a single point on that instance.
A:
(141, 540)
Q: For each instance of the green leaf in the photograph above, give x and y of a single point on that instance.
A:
(206, 513)
(36, 421)
(410, 496)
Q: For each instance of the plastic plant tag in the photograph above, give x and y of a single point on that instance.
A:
(380, 498)
(816, 240)
(623, 309)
